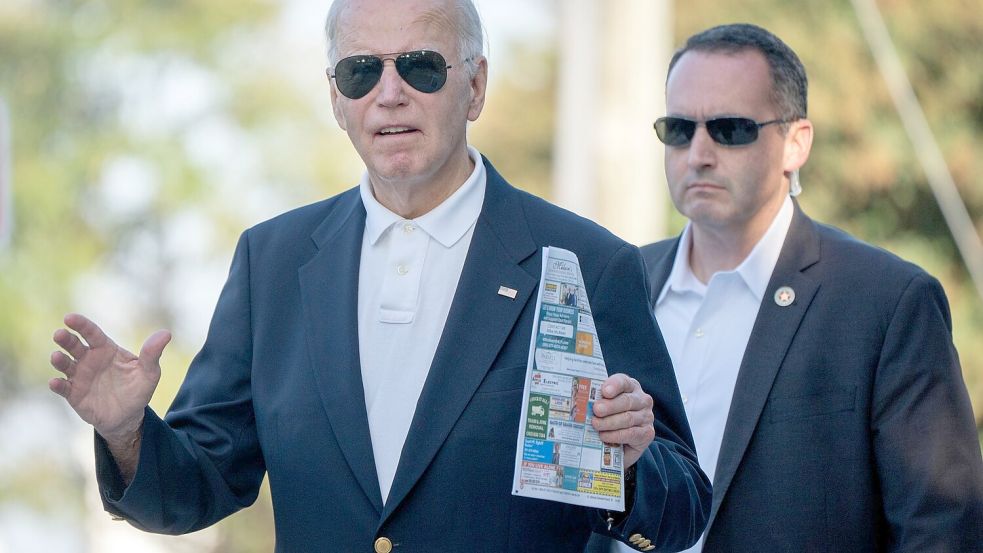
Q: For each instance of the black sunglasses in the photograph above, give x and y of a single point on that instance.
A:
(424, 70)
(727, 131)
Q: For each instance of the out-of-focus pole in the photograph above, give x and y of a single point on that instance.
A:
(609, 163)
(6, 192)
(577, 112)
(920, 133)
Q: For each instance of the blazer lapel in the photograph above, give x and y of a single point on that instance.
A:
(501, 240)
(659, 269)
(329, 291)
(773, 330)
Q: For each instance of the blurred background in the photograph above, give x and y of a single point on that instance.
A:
(139, 138)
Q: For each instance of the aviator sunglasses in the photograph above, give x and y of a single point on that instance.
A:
(424, 70)
(727, 131)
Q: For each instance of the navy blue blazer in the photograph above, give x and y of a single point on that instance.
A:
(277, 389)
(850, 427)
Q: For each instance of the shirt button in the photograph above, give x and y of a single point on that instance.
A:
(402, 269)
(408, 227)
(685, 398)
(699, 333)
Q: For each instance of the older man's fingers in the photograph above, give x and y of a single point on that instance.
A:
(638, 437)
(88, 330)
(617, 384)
(633, 401)
(70, 343)
(623, 420)
(63, 363)
(60, 386)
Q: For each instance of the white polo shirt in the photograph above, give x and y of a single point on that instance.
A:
(407, 279)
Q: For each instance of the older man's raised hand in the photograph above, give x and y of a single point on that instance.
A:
(106, 385)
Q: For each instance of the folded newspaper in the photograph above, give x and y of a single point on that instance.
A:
(559, 455)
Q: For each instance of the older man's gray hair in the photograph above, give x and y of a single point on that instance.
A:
(467, 24)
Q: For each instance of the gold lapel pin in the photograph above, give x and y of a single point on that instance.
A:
(784, 296)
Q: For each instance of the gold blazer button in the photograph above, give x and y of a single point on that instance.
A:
(383, 545)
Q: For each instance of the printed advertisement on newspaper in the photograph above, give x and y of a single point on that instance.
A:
(559, 455)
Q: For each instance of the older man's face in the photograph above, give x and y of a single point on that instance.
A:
(404, 136)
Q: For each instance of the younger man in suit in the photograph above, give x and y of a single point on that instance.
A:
(818, 372)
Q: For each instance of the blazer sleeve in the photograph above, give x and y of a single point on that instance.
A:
(203, 461)
(925, 439)
(672, 494)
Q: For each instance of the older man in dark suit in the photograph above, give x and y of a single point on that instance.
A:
(368, 352)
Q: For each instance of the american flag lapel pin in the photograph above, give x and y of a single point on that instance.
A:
(509, 293)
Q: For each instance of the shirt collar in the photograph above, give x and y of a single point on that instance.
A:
(446, 223)
(755, 270)
(757, 267)
(681, 278)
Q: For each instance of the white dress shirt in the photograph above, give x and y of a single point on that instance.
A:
(407, 279)
(706, 328)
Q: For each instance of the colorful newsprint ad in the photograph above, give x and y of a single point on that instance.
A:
(559, 455)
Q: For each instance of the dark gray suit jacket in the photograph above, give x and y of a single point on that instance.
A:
(850, 429)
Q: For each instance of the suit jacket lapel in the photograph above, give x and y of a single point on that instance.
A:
(773, 330)
(659, 270)
(501, 240)
(329, 291)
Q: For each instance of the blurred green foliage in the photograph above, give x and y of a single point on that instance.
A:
(67, 125)
(71, 71)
